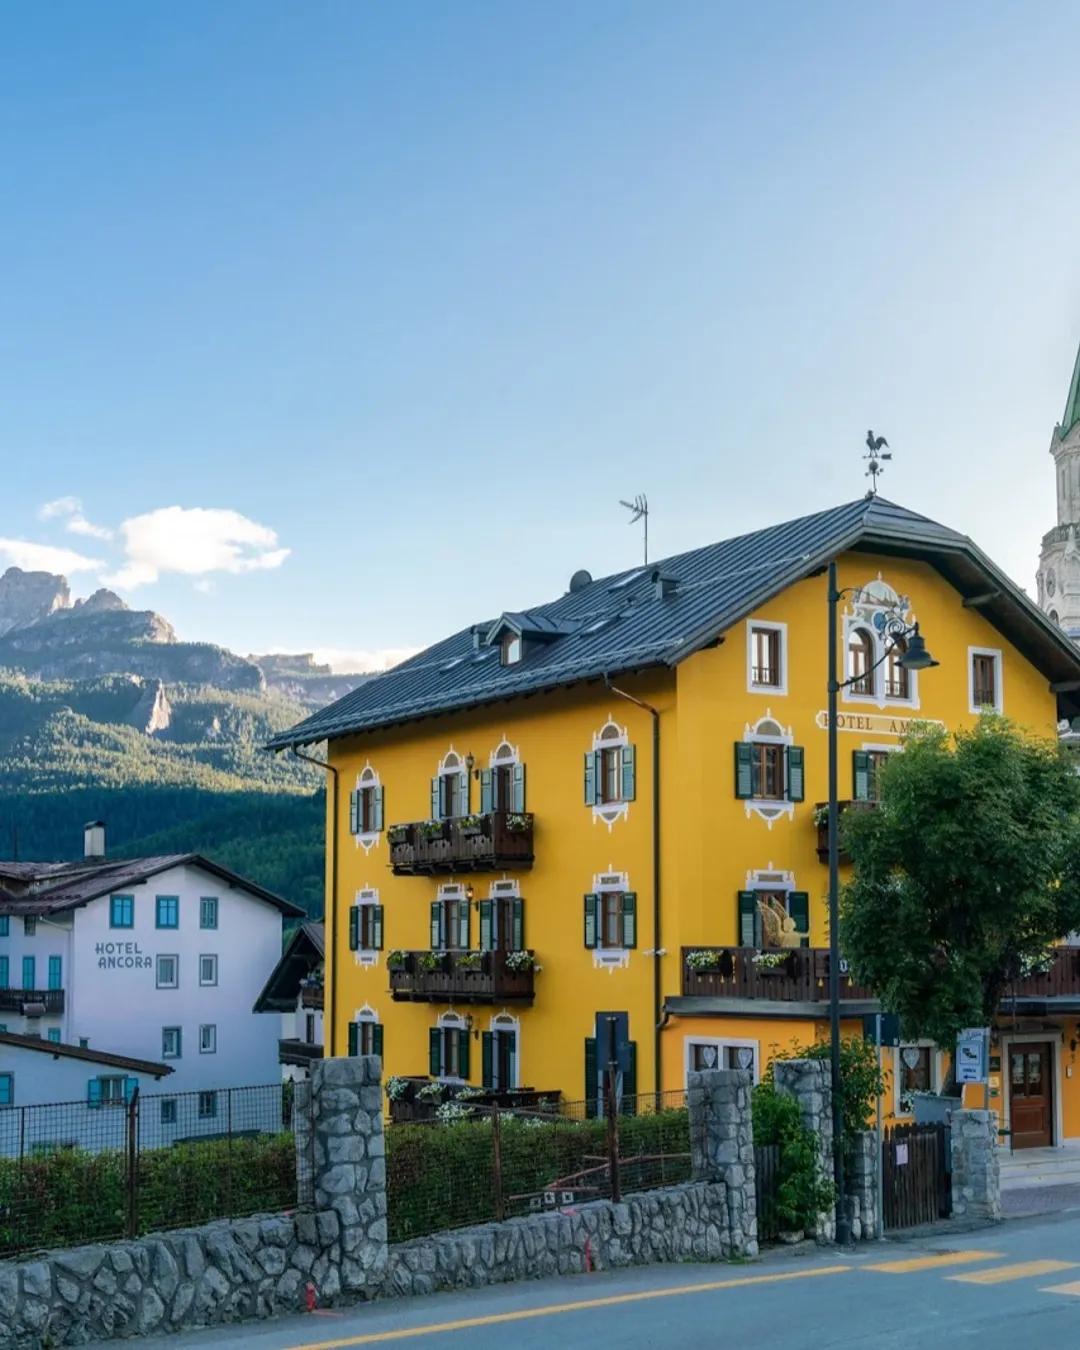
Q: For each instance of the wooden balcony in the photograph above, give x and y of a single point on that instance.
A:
(456, 979)
(462, 844)
(823, 828)
(301, 1054)
(32, 1002)
(311, 996)
(801, 977)
(1059, 983)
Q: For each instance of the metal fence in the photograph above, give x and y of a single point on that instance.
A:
(88, 1171)
(479, 1164)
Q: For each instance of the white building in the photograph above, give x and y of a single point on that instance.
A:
(295, 992)
(156, 959)
(1058, 577)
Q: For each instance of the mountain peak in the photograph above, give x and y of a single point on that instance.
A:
(28, 597)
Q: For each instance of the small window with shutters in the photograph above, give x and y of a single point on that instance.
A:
(502, 786)
(772, 911)
(610, 773)
(450, 920)
(865, 773)
(610, 920)
(448, 1048)
(450, 788)
(499, 1052)
(365, 1037)
(502, 919)
(770, 771)
(366, 806)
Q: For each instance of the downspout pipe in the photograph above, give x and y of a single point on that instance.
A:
(330, 920)
(659, 1019)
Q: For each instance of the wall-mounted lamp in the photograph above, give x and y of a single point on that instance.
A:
(469, 892)
(469, 761)
(468, 1022)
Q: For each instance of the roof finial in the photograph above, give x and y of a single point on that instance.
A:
(879, 451)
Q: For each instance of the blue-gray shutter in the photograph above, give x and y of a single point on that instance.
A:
(354, 812)
(629, 919)
(376, 927)
(796, 787)
(131, 1086)
(628, 773)
(517, 940)
(434, 1052)
(463, 1053)
(511, 1059)
(487, 1070)
(93, 1092)
(354, 927)
(592, 1078)
(465, 779)
(487, 792)
(376, 1039)
(860, 772)
(749, 920)
(437, 812)
(438, 940)
(463, 925)
(487, 935)
(354, 1039)
(376, 809)
(592, 903)
(628, 1104)
(798, 904)
(590, 778)
(744, 770)
(518, 788)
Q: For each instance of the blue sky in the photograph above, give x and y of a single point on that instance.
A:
(341, 325)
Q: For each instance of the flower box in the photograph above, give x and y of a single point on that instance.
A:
(398, 834)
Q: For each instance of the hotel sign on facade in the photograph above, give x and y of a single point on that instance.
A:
(875, 724)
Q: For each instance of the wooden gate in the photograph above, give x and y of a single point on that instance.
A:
(766, 1180)
(916, 1179)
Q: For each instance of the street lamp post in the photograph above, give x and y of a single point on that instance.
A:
(915, 657)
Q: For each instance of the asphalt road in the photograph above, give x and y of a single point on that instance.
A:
(1008, 1288)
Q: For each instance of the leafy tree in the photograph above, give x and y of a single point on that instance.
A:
(964, 875)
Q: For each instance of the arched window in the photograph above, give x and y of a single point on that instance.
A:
(860, 662)
(897, 677)
(1053, 617)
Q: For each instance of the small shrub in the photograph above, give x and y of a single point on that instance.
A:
(802, 1192)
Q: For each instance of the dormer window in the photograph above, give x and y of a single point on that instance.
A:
(512, 649)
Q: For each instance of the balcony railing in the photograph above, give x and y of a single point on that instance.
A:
(32, 1002)
(311, 996)
(821, 813)
(410, 1107)
(460, 977)
(462, 844)
(302, 1054)
(803, 976)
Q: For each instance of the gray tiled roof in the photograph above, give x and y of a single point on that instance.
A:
(618, 624)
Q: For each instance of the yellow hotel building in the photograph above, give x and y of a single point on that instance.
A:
(607, 806)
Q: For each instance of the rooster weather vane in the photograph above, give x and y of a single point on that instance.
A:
(879, 452)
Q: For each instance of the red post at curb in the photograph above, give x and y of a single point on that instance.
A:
(310, 1295)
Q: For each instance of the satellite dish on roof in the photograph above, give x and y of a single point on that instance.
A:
(580, 580)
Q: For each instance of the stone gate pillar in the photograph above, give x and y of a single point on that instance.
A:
(722, 1145)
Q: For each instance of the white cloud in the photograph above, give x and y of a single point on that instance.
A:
(193, 541)
(349, 663)
(45, 558)
(70, 510)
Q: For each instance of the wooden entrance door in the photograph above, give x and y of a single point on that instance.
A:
(1031, 1095)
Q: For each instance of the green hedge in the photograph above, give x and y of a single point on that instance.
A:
(442, 1176)
(69, 1196)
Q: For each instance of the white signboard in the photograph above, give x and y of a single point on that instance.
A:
(972, 1055)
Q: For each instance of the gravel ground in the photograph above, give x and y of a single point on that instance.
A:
(1039, 1200)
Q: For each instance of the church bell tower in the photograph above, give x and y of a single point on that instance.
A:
(1058, 577)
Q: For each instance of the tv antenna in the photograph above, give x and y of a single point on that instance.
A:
(878, 448)
(639, 510)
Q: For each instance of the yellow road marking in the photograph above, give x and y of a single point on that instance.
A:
(1024, 1270)
(1073, 1289)
(436, 1328)
(932, 1262)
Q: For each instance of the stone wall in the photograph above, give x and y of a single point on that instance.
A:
(722, 1147)
(861, 1184)
(976, 1187)
(809, 1082)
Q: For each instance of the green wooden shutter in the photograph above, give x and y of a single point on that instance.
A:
(354, 927)
(463, 1053)
(744, 770)
(749, 920)
(517, 920)
(466, 783)
(436, 798)
(354, 812)
(590, 778)
(798, 904)
(435, 1052)
(796, 789)
(592, 904)
(629, 777)
(354, 1039)
(860, 773)
(376, 809)
(376, 1039)
(628, 1106)
(93, 1092)
(487, 792)
(629, 919)
(592, 1087)
(463, 925)
(438, 941)
(487, 935)
(131, 1086)
(376, 927)
(487, 1041)
(511, 1059)
(517, 794)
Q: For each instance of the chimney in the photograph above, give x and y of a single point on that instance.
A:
(94, 839)
(664, 584)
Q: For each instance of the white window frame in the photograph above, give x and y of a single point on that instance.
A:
(174, 957)
(204, 983)
(610, 812)
(937, 1072)
(765, 807)
(501, 1022)
(451, 1021)
(179, 1043)
(720, 1044)
(865, 605)
(368, 777)
(367, 956)
(767, 625)
(999, 692)
(210, 1049)
(610, 958)
(498, 760)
